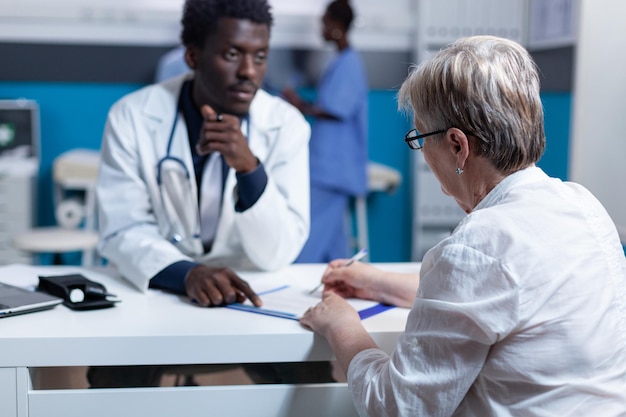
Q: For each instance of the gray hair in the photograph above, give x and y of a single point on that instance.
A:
(488, 87)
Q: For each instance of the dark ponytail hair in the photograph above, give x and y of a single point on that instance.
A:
(340, 11)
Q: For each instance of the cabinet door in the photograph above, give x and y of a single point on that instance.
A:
(17, 212)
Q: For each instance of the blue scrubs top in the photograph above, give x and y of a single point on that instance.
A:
(338, 148)
(338, 156)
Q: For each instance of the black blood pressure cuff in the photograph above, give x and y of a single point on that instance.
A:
(77, 292)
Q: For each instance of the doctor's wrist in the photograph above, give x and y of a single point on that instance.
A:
(173, 277)
(249, 167)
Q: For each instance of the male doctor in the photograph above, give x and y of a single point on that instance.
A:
(204, 172)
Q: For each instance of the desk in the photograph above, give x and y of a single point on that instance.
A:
(160, 328)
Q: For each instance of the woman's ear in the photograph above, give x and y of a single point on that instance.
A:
(191, 57)
(459, 143)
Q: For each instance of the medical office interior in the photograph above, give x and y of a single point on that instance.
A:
(65, 63)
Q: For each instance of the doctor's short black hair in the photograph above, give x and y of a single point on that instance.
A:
(200, 17)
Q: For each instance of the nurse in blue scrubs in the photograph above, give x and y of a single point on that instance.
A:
(338, 147)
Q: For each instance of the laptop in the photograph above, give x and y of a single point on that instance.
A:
(16, 300)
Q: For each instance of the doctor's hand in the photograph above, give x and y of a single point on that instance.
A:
(210, 287)
(222, 133)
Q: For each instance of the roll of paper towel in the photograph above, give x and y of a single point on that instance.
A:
(70, 213)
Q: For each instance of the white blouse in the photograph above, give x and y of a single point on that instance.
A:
(520, 312)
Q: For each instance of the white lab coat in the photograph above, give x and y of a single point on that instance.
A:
(133, 223)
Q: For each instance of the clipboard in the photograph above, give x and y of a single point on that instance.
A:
(290, 302)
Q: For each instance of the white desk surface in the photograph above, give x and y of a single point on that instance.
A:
(161, 328)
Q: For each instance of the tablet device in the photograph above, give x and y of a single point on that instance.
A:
(17, 300)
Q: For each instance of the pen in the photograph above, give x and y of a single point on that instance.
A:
(356, 257)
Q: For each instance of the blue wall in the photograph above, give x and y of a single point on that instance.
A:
(73, 116)
(557, 126)
(390, 215)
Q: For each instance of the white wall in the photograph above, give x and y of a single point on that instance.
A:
(598, 146)
(379, 25)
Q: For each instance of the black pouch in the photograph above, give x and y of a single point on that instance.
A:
(77, 292)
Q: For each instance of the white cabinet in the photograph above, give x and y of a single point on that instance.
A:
(599, 104)
(440, 22)
(435, 214)
(17, 206)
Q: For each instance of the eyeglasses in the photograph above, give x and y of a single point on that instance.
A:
(415, 139)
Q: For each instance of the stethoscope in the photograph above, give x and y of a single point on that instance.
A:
(168, 156)
(174, 182)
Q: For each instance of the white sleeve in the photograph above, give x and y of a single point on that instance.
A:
(274, 230)
(130, 236)
(465, 304)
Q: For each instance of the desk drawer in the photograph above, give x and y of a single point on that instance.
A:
(302, 400)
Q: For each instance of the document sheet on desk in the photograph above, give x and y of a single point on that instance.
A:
(290, 302)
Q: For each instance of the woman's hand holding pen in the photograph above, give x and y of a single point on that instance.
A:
(355, 281)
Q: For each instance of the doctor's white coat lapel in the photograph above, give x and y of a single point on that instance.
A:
(161, 115)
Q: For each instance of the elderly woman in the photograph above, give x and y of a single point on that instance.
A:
(522, 310)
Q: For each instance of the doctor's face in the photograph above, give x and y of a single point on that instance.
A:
(230, 68)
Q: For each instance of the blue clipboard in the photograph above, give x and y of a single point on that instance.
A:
(290, 315)
(263, 311)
